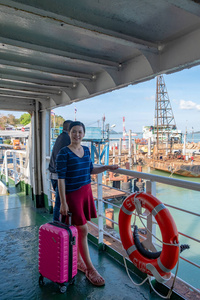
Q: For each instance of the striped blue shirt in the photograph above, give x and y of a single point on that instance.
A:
(75, 170)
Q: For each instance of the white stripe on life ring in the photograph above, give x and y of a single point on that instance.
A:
(162, 267)
(126, 211)
(157, 209)
(131, 250)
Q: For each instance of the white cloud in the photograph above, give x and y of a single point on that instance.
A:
(152, 97)
(188, 105)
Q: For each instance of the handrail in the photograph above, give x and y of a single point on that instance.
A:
(152, 179)
(15, 158)
(184, 210)
(166, 180)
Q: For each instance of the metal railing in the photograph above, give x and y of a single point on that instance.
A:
(150, 181)
(14, 166)
(150, 187)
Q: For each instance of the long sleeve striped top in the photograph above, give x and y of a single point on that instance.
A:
(75, 170)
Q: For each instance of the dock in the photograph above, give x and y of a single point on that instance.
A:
(108, 192)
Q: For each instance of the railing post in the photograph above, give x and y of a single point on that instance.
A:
(21, 164)
(149, 243)
(100, 210)
(15, 167)
(6, 167)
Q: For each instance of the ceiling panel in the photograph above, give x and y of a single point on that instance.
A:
(59, 52)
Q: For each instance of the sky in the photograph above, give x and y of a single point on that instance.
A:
(137, 104)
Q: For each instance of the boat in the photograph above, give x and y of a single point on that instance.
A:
(175, 167)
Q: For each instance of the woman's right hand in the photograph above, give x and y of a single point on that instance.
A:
(64, 208)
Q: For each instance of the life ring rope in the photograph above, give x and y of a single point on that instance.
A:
(149, 279)
(133, 248)
(154, 212)
(157, 266)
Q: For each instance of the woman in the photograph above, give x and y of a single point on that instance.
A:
(74, 167)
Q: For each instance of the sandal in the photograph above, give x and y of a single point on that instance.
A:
(81, 266)
(94, 277)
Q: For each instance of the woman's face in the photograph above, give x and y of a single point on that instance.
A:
(76, 134)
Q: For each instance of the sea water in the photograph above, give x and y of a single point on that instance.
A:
(190, 137)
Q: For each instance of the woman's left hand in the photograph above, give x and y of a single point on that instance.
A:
(113, 167)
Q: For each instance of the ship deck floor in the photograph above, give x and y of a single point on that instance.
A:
(19, 225)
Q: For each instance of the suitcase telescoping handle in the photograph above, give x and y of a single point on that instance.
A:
(68, 218)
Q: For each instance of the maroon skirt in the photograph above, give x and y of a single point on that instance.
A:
(81, 205)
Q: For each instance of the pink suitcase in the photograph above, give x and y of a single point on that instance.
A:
(58, 253)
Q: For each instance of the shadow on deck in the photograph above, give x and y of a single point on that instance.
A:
(19, 225)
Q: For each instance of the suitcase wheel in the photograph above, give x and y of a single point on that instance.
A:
(63, 288)
(72, 281)
(41, 280)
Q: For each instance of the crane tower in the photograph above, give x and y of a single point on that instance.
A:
(165, 125)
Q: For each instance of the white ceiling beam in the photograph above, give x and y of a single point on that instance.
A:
(16, 46)
(31, 69)
(83, 28)
(28, 86)
(9, 103)
(53, 83)
(23, 94)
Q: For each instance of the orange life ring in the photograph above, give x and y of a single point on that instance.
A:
(160, 267)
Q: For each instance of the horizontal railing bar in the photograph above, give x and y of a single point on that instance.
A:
(104, 201)
(187, 260)
(184, 210)
(108, 219)
(166, 180)
(114, 205)
(177, 208)
(174, 207)
(190, 262)
(189, 237)
(16, 151)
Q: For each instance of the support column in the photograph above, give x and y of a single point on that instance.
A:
(37, 169)
(45, 152)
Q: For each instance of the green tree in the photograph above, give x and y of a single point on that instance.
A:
(58, 121)
(3, 122)
(12, 120)
(9, 119)
(25, 119)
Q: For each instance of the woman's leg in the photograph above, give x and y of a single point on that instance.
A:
(83, 245)
(91, 273)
